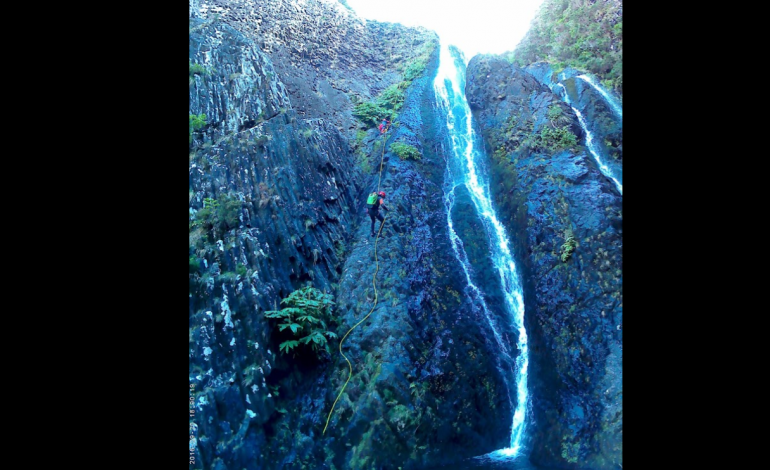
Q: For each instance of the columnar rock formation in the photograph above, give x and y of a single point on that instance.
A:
(279, 171)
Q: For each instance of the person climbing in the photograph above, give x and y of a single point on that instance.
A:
(382, 125)
(375, 201)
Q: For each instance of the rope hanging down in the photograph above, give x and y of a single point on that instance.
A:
(374, 278)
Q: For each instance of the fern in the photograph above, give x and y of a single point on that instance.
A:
(293, 326)
(287, 346)
(304, 312)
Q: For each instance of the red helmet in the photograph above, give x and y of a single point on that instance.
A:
(382, 193)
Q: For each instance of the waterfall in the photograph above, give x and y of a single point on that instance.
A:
(611, 101)
(590, 143)
(464, 167)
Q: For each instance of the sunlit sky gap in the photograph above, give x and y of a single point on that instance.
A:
(475, 26)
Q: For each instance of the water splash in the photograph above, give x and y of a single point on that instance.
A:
(464, 169)
(590, 143)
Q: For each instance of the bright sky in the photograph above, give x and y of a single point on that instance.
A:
(475, 26)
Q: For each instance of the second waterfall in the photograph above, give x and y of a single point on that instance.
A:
(466, 172)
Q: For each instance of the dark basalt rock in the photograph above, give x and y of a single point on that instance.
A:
(573, 308)
(324, 54)
(604, 124)
(425, 387)
(298, 194)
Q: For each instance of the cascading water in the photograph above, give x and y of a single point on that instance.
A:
(591, 146)
(464, 168)
(610, 100)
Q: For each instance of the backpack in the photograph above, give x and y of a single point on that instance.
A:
(372, 199)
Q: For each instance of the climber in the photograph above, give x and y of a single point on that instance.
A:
(382, 125)
(375, 201)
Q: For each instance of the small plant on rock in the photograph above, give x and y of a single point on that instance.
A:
(221, 214)
(197, 122)
(568, 247)
(306, 315)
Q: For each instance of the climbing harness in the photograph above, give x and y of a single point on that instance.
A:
(374, 278)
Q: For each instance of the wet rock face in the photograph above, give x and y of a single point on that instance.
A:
(603, 122)
(547, 192)
(291, 188)
(327, 57)
(425, 388)
(291, 210)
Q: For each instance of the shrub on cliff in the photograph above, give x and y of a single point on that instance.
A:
(554, 139)
(306, 315)
(221, 213)
(370, 113)
(414, 69)
(391, 98)
(197, 121)
(405, 151)
(568, 247)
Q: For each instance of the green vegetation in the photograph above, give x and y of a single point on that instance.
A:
(306, 315)
(387, 104)
(405, 151)
(194, 265)
(369, 113)
(554, 139)
(556, 114)
(584, 35)
(196, 122)
(362, 160)
(198, 69)
(417, 66)
(391, 97)
(241, 270)
(414, 69)
(221, 213)
(568, 247)
(339, 248)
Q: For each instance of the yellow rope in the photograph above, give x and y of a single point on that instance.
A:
(374, 278)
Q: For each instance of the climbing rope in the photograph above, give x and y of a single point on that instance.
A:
(374, 278)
